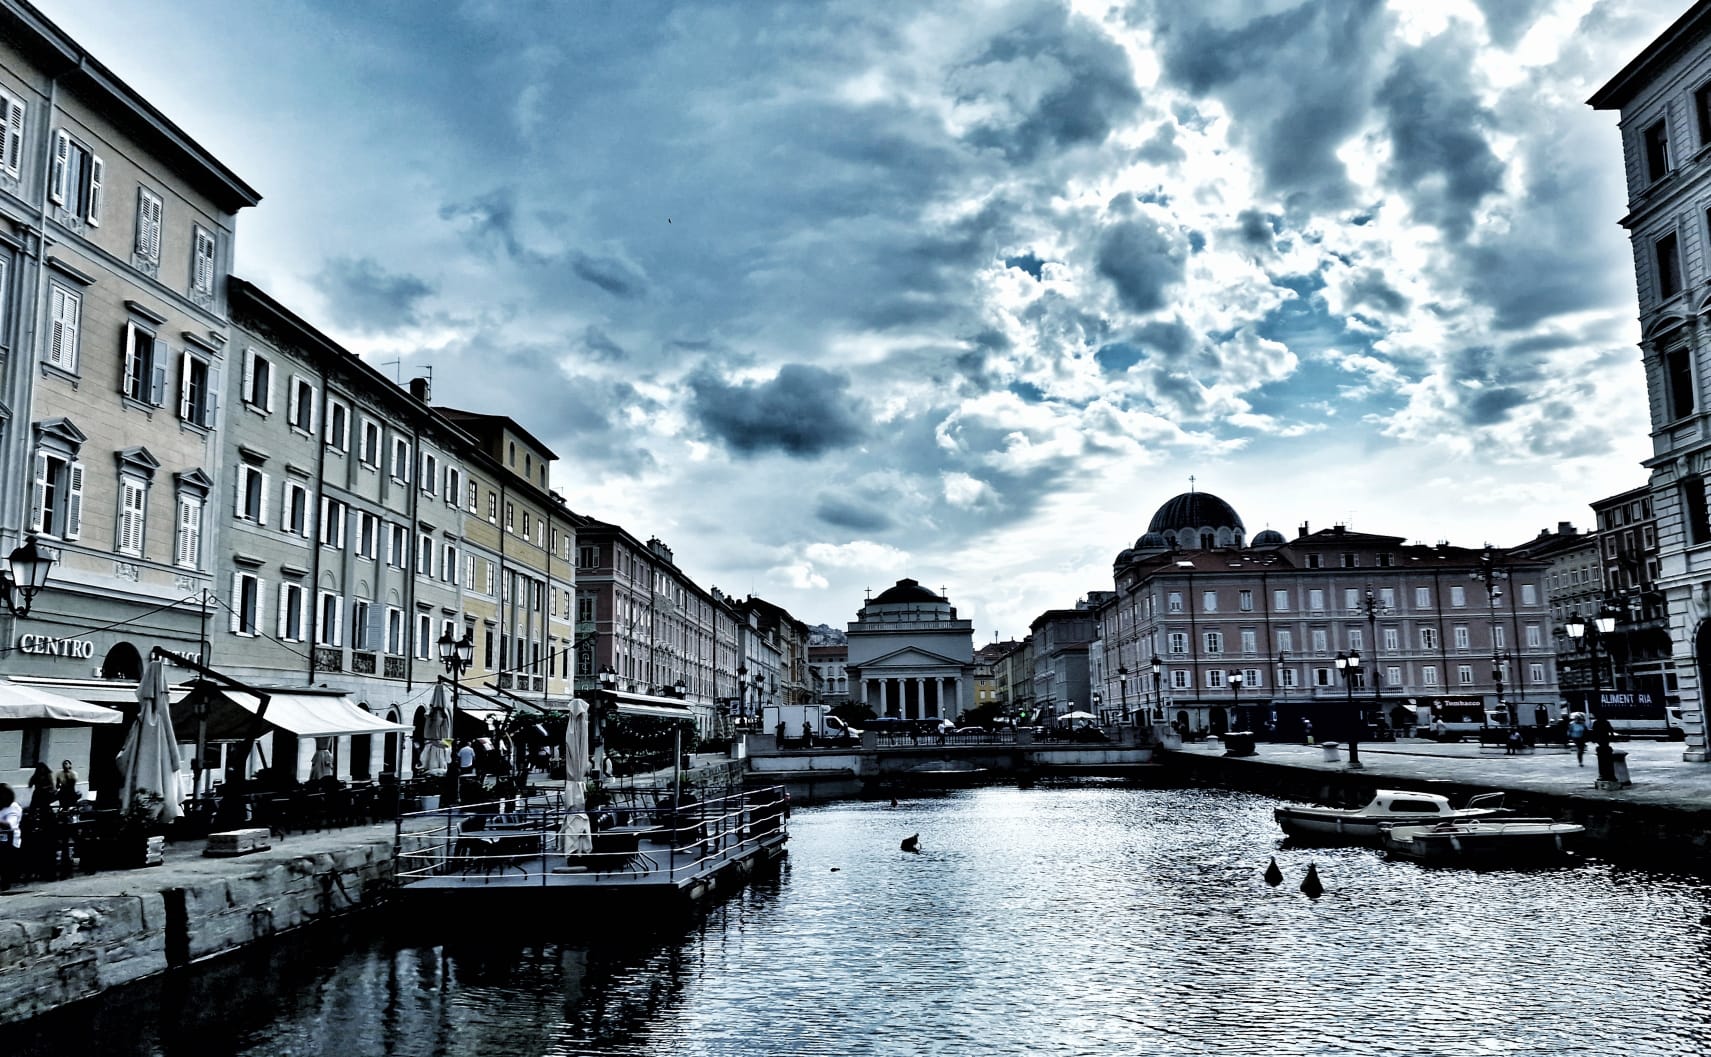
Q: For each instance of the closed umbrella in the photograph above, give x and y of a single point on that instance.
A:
(149, 760)
(436, 728)
(578, 835)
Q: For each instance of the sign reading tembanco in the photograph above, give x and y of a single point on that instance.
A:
(77, 649)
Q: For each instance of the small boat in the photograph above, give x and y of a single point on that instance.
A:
(1387, 807)
(1484, 840)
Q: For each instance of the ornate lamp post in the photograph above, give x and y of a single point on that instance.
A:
(1586, 637)
(1235, 678)
(1492, 577)
(1158, 691)
(743, 694)
(24, 576)
(1123, 686)
(1349, 664)
(457, 655)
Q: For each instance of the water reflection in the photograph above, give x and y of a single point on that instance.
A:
(1079, 919)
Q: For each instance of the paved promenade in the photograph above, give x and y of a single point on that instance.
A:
(1660, 777)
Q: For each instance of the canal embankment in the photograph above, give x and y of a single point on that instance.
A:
(66, 940)
(1663, 817)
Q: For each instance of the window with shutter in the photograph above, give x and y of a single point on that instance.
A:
(11, 135)
(149, 211)
(65, 306)
(133, 508)
(188, 554)
(202, 264)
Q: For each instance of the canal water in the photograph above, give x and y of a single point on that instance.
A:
(1085, 919)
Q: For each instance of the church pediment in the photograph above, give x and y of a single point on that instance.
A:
(909, 657)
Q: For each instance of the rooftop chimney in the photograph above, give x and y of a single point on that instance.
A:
(1565, 528)
(419, 389)
(1304, 528)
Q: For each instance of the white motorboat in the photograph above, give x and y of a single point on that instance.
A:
(1388, 807)
(1484, 840)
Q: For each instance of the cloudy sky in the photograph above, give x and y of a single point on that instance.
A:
(829, 294)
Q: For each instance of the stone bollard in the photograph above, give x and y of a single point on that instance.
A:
(1331, 753)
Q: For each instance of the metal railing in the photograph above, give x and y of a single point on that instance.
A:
(644, 832)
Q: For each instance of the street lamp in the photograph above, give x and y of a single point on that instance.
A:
(1585, 637)
(1349, 664)
(1158, 692)
(26, 573)
(456, 655)
(1098, 705)
(1123, 685)
(743, 694)
(681, 688)
(1235, 678)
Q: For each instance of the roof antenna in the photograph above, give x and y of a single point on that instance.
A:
(397, 376)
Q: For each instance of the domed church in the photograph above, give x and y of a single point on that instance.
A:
(1194, 521)
(910, 655)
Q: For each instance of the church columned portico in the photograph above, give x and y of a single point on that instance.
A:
(913, 656)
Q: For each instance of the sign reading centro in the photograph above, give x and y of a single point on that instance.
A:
(77, 649)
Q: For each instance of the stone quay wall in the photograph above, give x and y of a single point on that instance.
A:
(1673, 835)
(76, 938)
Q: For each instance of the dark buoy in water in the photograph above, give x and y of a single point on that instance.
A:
(1310, 885)
(893, 801)
(835, 869)
(912, 843)
(1273, 876)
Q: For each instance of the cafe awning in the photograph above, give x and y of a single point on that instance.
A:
(24, 703)
(649, 705)
(305, 713)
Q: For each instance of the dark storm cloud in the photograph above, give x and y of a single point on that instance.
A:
(1298, 83)
(613, 276)
(1255, 229)
(1370, 289)
(855, 515)
(1161, 147)
(1142, 260)
(599, 346)
(1439, 155)
(802, 411)
(363, 295)
(1508, 20)
(1089, 91)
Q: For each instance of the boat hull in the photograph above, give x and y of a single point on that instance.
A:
(1334, 824)
(1484, 842)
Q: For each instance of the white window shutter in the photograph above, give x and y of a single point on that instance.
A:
(260, 604)
(249, 374)
(314, 408)
(261, 515)
(183, 385)
(38, 494)
(236, 602)
(189, 532)
(284, 597)
(157, 372)
(267, 392)
(285, 506)
(74, 501)
(97, 172)
(132, 382)
(13, 154)
(295, 397)
(211, 399)
(372, 631)
(61, 157)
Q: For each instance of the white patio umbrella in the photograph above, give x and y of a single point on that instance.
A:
(149, 760)
(578, 836)
(436, 728)
(1077, 716)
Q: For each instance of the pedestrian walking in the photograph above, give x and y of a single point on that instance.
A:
(11, 835)
(1577, 736)
(1307, 731)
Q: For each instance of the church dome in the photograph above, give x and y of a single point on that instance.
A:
(906, 591)
(1269, 538)
(1152, 541)
(1195, 510)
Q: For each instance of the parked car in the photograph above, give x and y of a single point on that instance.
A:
(838, 730)
(971, 731)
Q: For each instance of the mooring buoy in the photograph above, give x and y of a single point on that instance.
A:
(1310, 885)
(912, 843)
(1273, 876)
